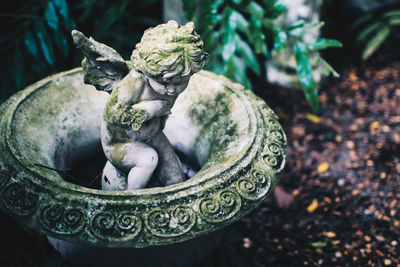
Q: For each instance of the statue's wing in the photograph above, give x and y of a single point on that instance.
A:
(103, 66)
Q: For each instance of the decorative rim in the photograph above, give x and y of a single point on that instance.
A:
(157, 216)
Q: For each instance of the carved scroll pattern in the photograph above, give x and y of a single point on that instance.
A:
(274, 155)
(219, 207)
(171, 222)
(255, 185)
(116, 226)
(18, 200)
(60, 219)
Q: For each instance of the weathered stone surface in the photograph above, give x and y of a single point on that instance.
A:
(141, 100)
(233, 135)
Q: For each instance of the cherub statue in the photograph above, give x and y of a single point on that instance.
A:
(143, 91)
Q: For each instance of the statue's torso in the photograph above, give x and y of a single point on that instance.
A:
(113, 133)
(132, 89)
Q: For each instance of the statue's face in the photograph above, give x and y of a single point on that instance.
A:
(172, 86)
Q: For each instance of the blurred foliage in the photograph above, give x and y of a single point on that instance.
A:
(374, 28)
(35, 35)
(240, 34)
(368, 29)
(302, 51)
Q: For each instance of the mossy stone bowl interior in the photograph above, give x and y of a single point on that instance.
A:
(232, 135)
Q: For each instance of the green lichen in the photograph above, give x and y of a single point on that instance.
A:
(142, 218)
(119, 108)
(217, 126)
(112, 111)
(133, 117)
(169, 49)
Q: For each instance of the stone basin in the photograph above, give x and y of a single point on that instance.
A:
(229, 133)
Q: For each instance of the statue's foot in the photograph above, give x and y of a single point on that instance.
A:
(188, 171)
(113, 179)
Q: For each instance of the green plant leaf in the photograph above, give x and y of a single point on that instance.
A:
(296, 24)
(394, 21)
(111, 16)
(361, 21)
(45, 43)
(322, 43)
(211, 40)
(208, 21)
(255, 9)
(245, 51)
(189, 8)
(375, 42)
(392, 13)
(230, 68)
(319, 244)
(367, 31)
(30, 44)
(63, 10)
(274, 9)
(87, 9)
(328, 68)
(51, 16)
(242, 23)
(280, 39)
(257, 37)
(229, 32)
(240, 75)
(304, 70)
(299, 28)
(315, 25)
(54, 24)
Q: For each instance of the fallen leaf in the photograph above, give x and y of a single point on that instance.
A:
(313, 118)
(319, 244)
(373, 127)
(350, 144)
(387, 262)
(329, 234)
(353, 76)
(313, 206)
(323, 167)
(372, 208)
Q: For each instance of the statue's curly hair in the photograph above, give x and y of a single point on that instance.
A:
(169, 50)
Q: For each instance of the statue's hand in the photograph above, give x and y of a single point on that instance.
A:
(133, 117)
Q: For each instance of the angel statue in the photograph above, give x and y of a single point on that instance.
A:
(143, 90)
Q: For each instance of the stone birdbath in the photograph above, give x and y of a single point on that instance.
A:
(229, 133)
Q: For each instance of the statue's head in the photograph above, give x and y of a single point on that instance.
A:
(169, 51)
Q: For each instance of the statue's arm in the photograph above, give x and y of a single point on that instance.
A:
(125, 106)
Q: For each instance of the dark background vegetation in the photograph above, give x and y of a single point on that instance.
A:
(35, 37)
(35, 42)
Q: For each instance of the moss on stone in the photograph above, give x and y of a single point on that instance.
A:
(233, 180)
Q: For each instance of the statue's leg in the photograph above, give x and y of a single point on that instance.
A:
(169, 169)
(137, 159)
